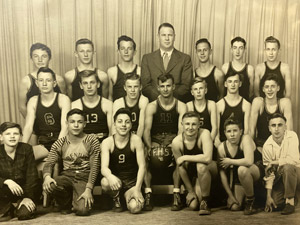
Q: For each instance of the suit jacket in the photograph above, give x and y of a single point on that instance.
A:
(180, 66)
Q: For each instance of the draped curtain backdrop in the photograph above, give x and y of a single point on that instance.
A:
(59, 24)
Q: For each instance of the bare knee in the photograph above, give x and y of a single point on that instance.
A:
(201, 168)
(104, 184)
(243, 171)
(134, 207)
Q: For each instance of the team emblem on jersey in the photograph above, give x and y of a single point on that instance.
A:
(49, 119)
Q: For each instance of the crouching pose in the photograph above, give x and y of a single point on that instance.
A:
(123, 164)
(281, 158)
(18, 175)
(237, 171)
(80, 155)
(193, 153)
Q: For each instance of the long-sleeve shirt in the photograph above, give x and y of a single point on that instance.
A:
(286, 153)
(82, 155)
(22, 169)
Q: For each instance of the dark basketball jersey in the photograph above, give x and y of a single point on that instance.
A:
(212, 89)
(47, 124)
(235, 112)
(96, 120)
(231, 171)
(135, 114)
(262, 126)
(123, 163)
(165, 121)
(118, 88)
(205, 121)
(280, 78)
(244, 89)
(194, 151)
(77, 92)
(34, 90)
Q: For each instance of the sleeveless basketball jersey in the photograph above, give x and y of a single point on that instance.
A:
(118, 88)
(212, 89)
(34, 90)
(135, 114)
(77, 92)
(233, 169)
(96, 120)
(47, 124)
(194, 151)
(205, 121)
(280, 78)
(165, 121)
(235, 112)
(263, 132)
(123, 163)
(244, 89)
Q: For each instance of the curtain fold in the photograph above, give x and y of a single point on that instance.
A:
(59, 24)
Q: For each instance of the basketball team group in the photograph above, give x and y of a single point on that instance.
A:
(203, 130)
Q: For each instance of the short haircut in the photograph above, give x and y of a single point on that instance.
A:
(7, 125)
(122, 111)
(42, 47)
(46, 70)
(270, 76)
(203, 40)
(132, 76)
(166, 25)
(83, 41)
(165, 77)
(238, 39)
(126, 38)
(76, 111)
(272, 39)
(275, 116)
(199, 80)
(232, 121)
(88, 73)
(190, 114)
(231, 74)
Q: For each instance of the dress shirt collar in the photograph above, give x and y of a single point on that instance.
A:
(162, 52)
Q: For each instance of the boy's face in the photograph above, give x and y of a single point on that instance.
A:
(233, 84)
(199, 90)
(40, 58)
(166, 88)
(190, 125)
(126, 51)
(203, 52)
(123, 124)
(270, 89)
(277, 127)
(271, 51)
(238, 50)
(233, 133)
(132, 88)
(76, 123)
(89, 85)
(11, 137)
(45, 82)
(85, 53)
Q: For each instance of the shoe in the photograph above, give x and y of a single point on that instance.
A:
(204, 209)
(66, 211)
(177, 205)
(148, 202)
(117, 204)
(249, 210)
(288, 209)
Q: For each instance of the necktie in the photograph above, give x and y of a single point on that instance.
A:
(166, 60)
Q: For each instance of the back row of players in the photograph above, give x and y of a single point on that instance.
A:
(166, 80)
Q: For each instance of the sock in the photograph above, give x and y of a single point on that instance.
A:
(290, 201)
(176, 190)
(147, 190)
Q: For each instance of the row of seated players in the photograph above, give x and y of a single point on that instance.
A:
(123, 167)
(163, 120)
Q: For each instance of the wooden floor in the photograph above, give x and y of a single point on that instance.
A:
(162, 215)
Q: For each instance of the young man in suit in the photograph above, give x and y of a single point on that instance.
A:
(167, 60)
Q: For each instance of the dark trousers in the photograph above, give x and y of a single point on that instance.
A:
(6, 206)
(70, 185)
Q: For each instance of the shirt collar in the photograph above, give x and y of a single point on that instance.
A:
(271, 141)
(162, 52)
